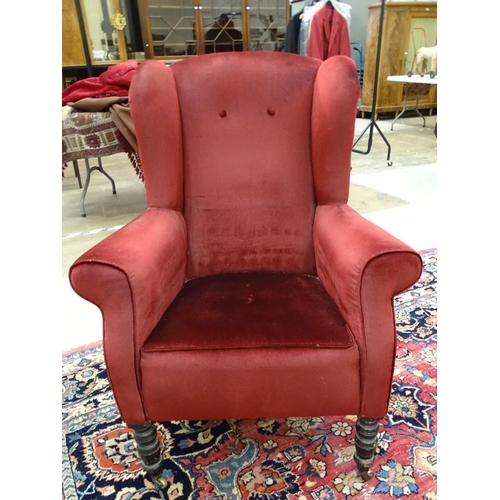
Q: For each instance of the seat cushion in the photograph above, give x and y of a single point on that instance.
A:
(250, 345)
(248, 311)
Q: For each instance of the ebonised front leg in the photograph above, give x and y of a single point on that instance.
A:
(366, 442)
(148, 447)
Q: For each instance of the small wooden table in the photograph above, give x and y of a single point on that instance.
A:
(424, 80)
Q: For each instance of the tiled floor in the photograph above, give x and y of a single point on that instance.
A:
(400, 198)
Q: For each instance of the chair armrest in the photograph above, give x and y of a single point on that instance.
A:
(133, 276)
(362, 267)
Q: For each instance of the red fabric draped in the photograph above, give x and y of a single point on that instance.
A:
(115, 81)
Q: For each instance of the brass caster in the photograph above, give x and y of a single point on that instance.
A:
(160, 482)
(367, 474)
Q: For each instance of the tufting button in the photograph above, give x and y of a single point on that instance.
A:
(223, 113)
(270, 111)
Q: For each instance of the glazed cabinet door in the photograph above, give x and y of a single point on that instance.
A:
(170, 28)
(174, 29)
(266, 21)
(223, 27)
(236, 25)
(112, 30)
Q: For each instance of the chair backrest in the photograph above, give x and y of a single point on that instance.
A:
(232, 149)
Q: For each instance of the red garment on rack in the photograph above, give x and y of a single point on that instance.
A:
(114, 82)
(329, 35)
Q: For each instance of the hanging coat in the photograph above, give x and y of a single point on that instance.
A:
(329, 34)
(292, 34)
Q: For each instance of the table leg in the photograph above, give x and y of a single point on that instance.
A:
(101, 169)
(87, 181)
(416, 105)
(77, 173)
(404, 107)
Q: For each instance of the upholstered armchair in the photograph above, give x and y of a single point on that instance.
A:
(248, 269)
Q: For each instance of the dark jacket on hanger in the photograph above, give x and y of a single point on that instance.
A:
(329, 34)
(292, 34)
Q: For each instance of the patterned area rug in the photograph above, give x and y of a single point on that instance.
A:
(293, 458)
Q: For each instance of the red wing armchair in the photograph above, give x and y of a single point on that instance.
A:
(248, 270)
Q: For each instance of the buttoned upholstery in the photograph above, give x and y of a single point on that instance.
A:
(248, 288)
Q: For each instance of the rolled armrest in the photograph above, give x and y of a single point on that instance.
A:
(362, 267)
(133, 276)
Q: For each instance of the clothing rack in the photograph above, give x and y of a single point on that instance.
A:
(373, 123)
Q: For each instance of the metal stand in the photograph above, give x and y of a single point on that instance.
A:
(373, 123)
(404, 106)
(87, 181)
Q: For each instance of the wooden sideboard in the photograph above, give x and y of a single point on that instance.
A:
(407, 26)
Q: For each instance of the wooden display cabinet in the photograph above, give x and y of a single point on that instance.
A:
(174, 29)
(165, 29)
(97, 34)
(407, 26)
(73, 53)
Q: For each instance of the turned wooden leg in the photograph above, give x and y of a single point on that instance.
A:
(148, 447)
(366, 441)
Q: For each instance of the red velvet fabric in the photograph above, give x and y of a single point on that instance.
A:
(288, 321)
(133, 276)
(363, 267)
(250, 383)
(115, 81)
(248, 288)
(250, 311)
(155, 112)
(336, 93)
(249, 197)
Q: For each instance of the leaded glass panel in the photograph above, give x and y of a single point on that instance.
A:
(173, 27)
(268, 20)
(103, 36)
(223, 26)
